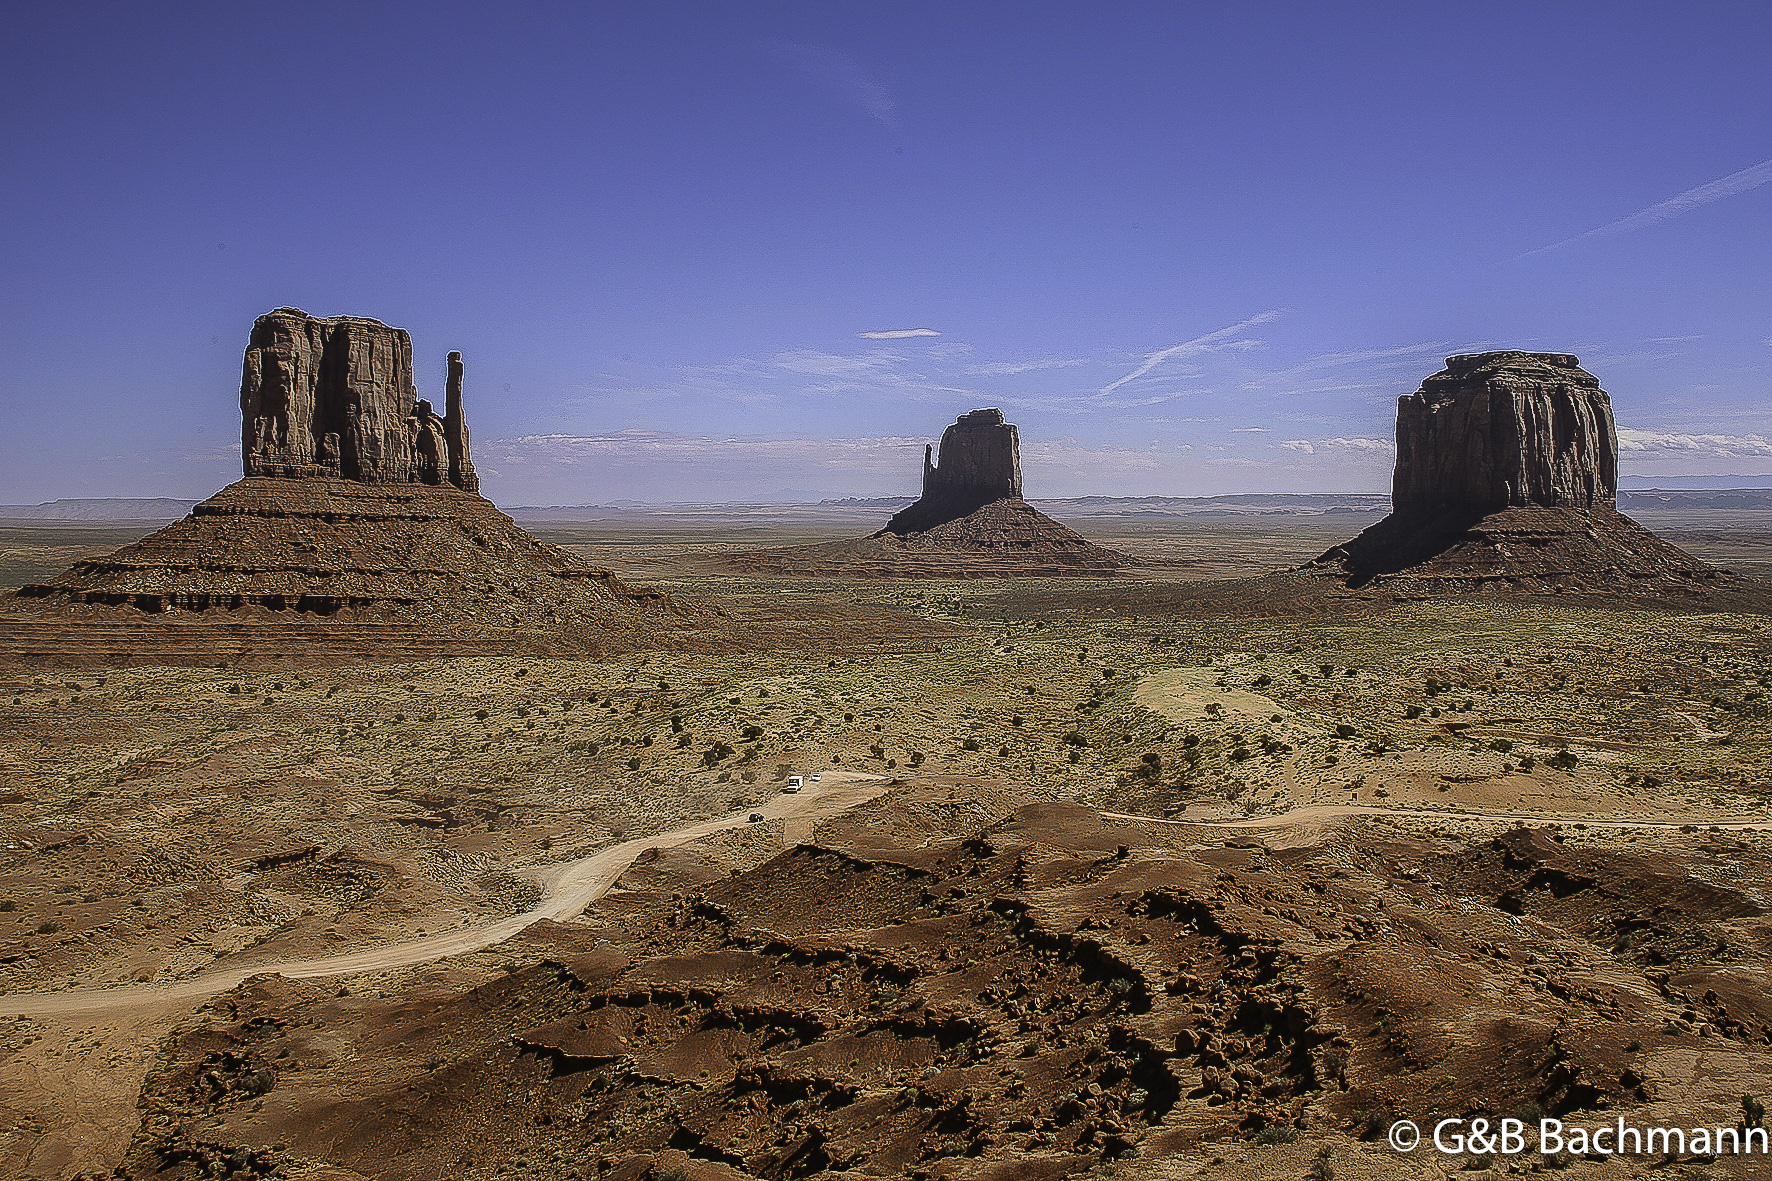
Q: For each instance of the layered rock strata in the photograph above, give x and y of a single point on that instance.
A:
(1507, 478)
(970, 522)
(334, 398)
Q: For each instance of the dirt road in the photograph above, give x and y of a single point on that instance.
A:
(567, 889)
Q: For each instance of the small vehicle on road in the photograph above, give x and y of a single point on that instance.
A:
(754, 817)
(817, 776)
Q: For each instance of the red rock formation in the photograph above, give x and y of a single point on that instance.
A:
(1507, 478)
(359, 507)
(980, 463)
(1505, 430)
(334, 399)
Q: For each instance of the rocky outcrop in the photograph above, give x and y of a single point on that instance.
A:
(970, 522)
(268, 548)
(980, 463)
(1505, 430)
(1507, 479)
(334, 399)
(359, 510)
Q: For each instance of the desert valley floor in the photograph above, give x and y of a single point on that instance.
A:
(1094, 879)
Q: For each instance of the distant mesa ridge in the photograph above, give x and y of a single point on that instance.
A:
(1507, 478)
(334, 399)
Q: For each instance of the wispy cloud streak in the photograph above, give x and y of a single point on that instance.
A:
(1189, 348)
(841, 71)
(1686, 202)
(898, 334)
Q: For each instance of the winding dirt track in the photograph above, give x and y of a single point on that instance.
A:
(567, 889)
(571, 886)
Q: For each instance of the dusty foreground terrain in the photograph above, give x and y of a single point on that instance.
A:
(1088, 885)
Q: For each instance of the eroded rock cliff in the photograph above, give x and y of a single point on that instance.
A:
(1507, 479)
(1505, 430)
(334, 399)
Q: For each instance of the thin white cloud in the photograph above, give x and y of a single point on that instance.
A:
(1011, 368)
(1250, 430)
(1686, 202)
(1664, 444)
(841, 72)
(1357, 446)
(819, 364)
(898, 333)
(1190, 348)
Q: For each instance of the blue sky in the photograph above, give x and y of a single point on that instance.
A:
(1188, 248)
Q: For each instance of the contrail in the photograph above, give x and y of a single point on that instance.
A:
(1716, 190)
(1188, 348)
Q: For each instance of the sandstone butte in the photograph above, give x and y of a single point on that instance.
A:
(357, 524)
(970, 522)
(1507, 479)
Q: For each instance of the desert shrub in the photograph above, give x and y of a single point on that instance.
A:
(1277, 1134)
(849, 718)
(48, 928)
(1076, 756)
(1344, 731)
(1075, 738)
(1413, 711)
(1563, 760)
(684, 741)
(969, 744)
(8, 906)
(1017, 720)
(634, 763)
(1263, 681)
(1502, 745)
(751, 733)
(916, 759)
(481, 714)
(676, 723)
(717, 752)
